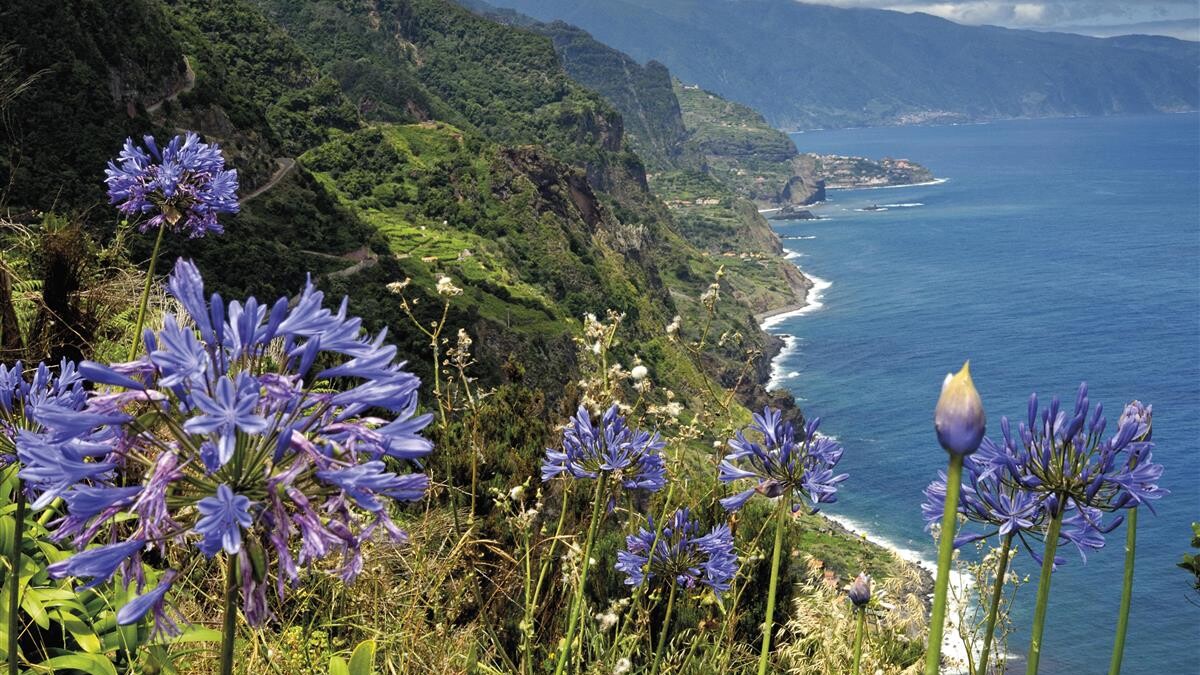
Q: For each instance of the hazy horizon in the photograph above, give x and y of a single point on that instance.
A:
(1179, 19)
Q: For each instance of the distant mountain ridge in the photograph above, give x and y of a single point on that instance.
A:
(812, 66)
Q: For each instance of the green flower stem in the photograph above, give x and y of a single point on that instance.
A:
(858, 636)
(1043, 593)
(783, 511)
(545, 566)
(14, 580)
(997, 592)
(141, 320)
(937, 622)
(527, 619)
(229, 620)
(666, 628)
(638, 591)
(1114, 666)
(577, 603)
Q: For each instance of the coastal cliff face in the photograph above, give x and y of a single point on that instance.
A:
(762, 163)
(739, 148)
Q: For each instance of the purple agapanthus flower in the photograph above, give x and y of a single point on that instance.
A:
(679, 553)
(99, 563)
(231, 409)
(782, 465)
(222, 519)
(152, 602)
(1053, 464)
(613, 448)
(242, 445)
(22, 394)
(184, 185)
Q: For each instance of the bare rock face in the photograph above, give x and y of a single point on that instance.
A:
(130, 85)
(803, 189)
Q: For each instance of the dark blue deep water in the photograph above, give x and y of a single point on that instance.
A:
(1057, 251)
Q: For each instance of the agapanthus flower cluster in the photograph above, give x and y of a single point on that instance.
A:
(680, 553)
(267, 432)
(1001, 506)
(185, 185)
(52, 393)
(1057, 463)
(782, 465)
(629, 456)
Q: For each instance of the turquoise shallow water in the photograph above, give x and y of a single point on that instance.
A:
(1057, 251)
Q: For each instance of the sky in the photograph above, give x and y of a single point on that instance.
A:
(1177, 18)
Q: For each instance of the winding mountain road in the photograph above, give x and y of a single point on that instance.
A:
(189, 81)
(285, 164)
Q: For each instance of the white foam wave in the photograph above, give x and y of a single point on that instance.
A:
(812, 302)
(800, 237)
(873, 209)
(792, 255)
(903, 205)
(790, 343)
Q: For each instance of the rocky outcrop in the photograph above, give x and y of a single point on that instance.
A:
(803, 189)
(790, 212)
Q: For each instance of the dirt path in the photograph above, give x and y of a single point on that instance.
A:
(189, 81)
(286, 164)
(364, 258)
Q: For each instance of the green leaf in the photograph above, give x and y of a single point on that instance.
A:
(31, 602)
(6, 535)
(95, 664)
(362, 661)
(79, 630)
(337, 666)
(198, 634)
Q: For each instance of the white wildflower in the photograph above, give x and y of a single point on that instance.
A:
(607, 620)
(673, 327)
(639, 373)
(622, 667)
(447, 288)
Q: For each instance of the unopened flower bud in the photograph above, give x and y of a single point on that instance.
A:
(1140, 414)
(959, 418)
(860, 590)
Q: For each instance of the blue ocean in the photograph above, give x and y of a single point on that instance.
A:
(1056, 251)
